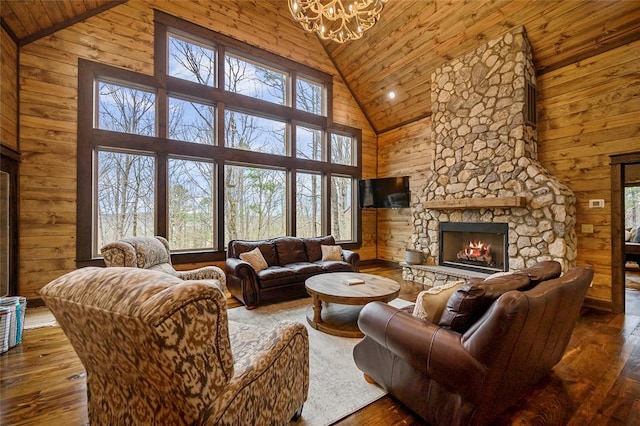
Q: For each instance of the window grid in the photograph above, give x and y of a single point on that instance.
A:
(208, 105)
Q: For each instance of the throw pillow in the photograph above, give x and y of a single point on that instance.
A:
(331, 252)
(430, 303)
(471, 300)
(255, 259)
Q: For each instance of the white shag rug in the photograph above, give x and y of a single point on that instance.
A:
(336, 386)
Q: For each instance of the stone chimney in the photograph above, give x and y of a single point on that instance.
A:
(484, 128)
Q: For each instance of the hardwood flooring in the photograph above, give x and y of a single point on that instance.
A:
(597, 382)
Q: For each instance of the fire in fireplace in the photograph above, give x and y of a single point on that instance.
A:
(476, 253)
(478, 247)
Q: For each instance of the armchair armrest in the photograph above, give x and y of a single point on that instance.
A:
(435, 351)
(204, 273)
(351, 257)
(267, 362)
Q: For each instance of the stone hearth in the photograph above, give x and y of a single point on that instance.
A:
(485, 167)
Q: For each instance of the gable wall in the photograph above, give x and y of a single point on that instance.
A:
(123, 37)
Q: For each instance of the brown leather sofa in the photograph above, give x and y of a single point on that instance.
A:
(472, 375)
(290, 262)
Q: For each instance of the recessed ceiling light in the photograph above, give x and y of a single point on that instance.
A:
(392, 95)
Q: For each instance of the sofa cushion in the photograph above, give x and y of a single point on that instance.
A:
(267, 247)
(255, 259)
(335, 265)
(275, 276)
(431, 303)
(304, 268)
(313, 246)
(290, 250)
(469, 302)
(331, 252)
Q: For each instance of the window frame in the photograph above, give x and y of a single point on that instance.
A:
(163, 148)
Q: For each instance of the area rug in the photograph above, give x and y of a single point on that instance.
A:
(336, 386)
(38, 317)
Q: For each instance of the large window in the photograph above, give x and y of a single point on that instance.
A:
(224, 142)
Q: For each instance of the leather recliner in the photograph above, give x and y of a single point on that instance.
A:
(472, 376)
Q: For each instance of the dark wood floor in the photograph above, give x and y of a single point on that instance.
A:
(42, 382)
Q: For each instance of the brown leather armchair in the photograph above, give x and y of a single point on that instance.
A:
(471, 377)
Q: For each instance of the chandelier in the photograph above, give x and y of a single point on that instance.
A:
(332, 20)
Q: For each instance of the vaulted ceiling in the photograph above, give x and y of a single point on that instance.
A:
(411, 39)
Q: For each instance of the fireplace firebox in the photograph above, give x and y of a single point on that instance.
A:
(480, 247)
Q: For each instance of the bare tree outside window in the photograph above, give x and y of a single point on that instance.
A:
(191, 121)
(308, 143)
(127, 110)
(308, 204)
(254, 133)
(341, 208)
(191, 211)
(309, 96)
(125, 196)
(341, 149)
(191, 61)
(258, 210)
(632, 207)
(254, 80)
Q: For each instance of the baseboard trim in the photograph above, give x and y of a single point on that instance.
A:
(598, 304)
(380, 262)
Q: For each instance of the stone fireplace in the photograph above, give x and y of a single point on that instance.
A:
(485, 168)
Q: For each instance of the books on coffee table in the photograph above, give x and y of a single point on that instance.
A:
(354, 281)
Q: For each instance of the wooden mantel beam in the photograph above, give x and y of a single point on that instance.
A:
(476, 203)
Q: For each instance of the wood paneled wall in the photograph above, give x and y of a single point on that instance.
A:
(123, 37)
(8, 91)
(586, 112)
(405, 151)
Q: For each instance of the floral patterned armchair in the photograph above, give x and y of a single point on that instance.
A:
(159, 350)
(153, 253)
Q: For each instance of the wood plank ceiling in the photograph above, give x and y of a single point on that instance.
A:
(411, 39)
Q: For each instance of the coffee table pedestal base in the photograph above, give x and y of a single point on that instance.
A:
(336, 319)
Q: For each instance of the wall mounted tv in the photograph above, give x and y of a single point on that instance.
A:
(392, 192)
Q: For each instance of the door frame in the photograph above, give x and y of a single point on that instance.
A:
(618, 163)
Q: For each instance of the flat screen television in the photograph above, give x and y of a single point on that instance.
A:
(392, 192)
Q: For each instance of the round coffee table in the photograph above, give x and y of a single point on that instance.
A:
(336, 305)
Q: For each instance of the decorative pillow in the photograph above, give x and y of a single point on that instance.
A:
(331, 252)
(471, 300)
(430, 303)
(255, 259)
